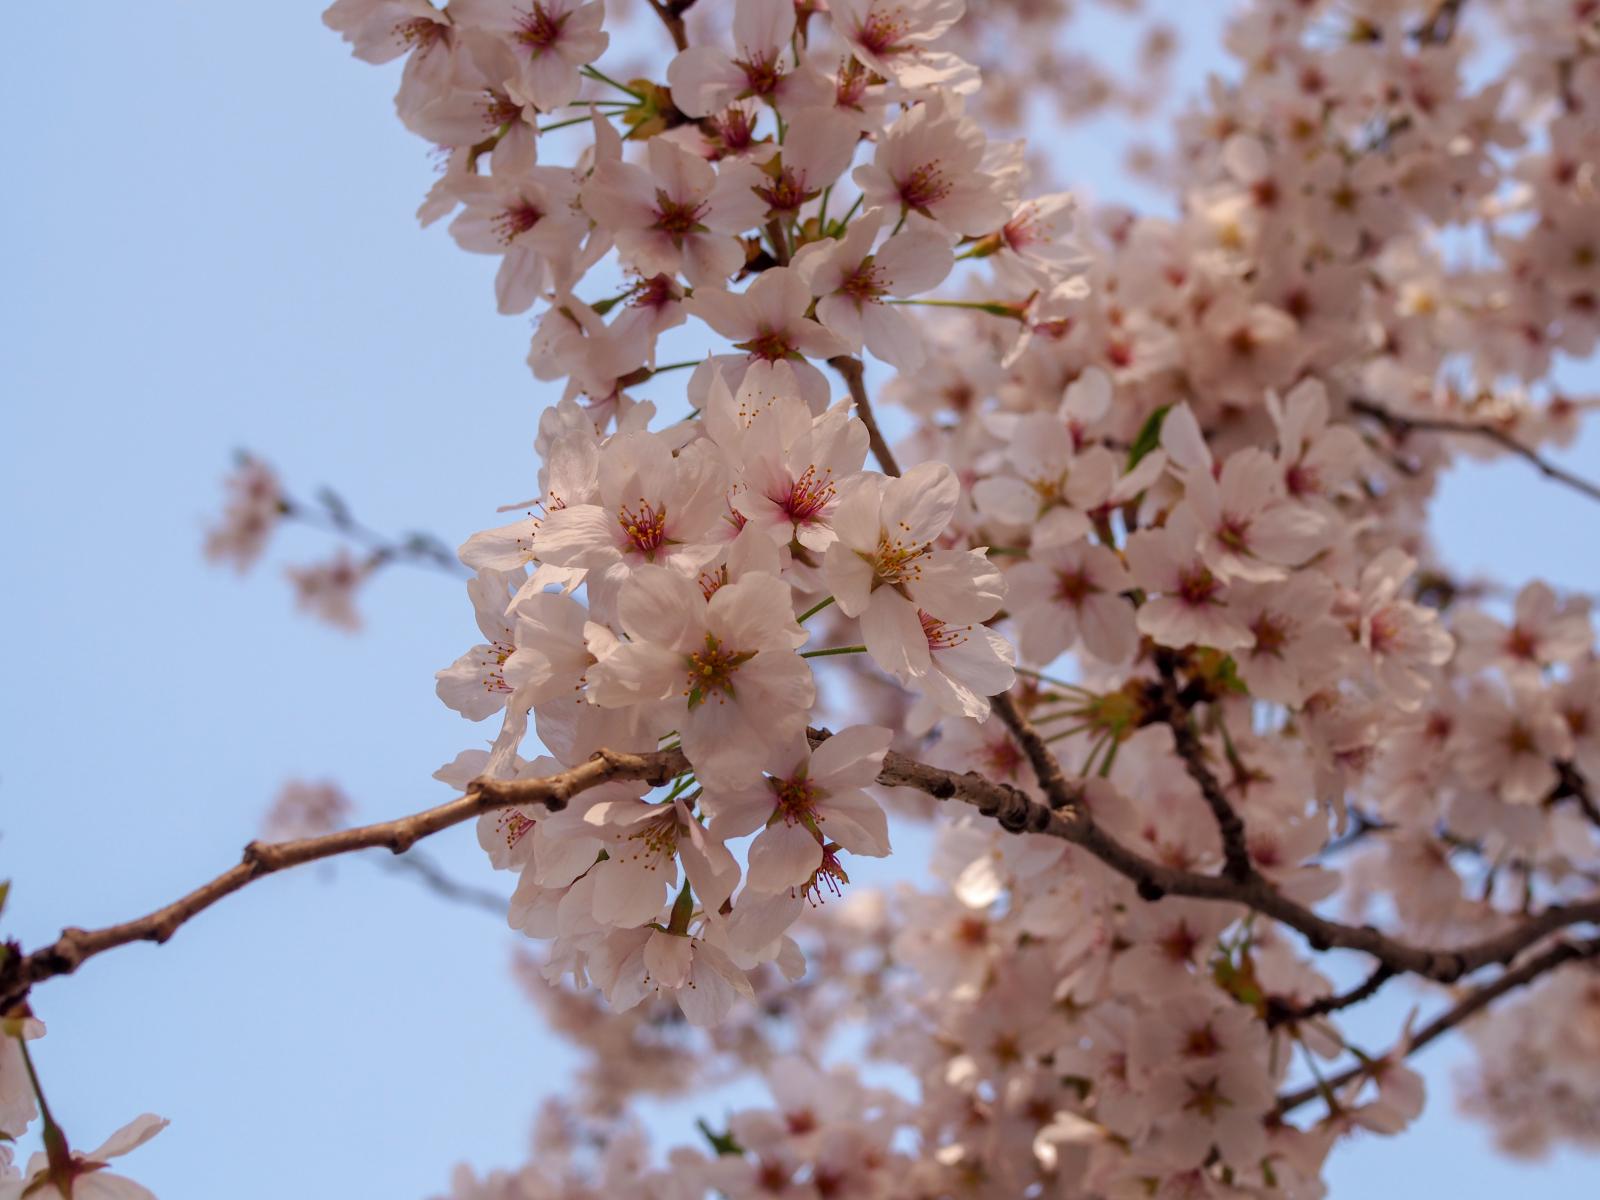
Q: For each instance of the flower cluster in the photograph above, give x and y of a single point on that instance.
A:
(1153, 590)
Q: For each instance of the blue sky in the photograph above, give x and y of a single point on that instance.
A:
(209, 244)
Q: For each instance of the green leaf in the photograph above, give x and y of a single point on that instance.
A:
(1149, 436)
(722, 1143)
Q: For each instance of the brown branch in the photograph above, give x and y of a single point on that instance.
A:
(1171, 711)
(1013, 808)
(1281, 1014)
(1473, 1002)
(1046, 767)
(1441, 24)
(852, 372)
(1400, 425)
(19, 972)
(1074, 823)
(671, 14)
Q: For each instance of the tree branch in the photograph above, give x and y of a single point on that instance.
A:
(1473, 1002)
(18, 972)
(671, 14)
(1280, 1014)
(1400, 425)
(434, 878)
(1170, 711)
(1065, 817)
(852, 372)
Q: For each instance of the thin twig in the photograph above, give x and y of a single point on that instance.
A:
(1399, 424)
(434, 878)
(1332, 1003)
(74, 947)
(853, 374)
(1473, 1002)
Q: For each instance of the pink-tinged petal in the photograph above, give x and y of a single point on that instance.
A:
(581, 535)
(659, 605)
(1106, 624)
(715, 983)
(1006, 498)
(849, 576)
(709, 259)
(892, 335)
(959, 586)
(734, 205)
(894, 636)
(917, 506)
(842, 317)
(982, 660)
(763, 27)
(914, 262)
(736, 813)
(637, 671)
(550, 81)
(726, 313)
(627, 893)
(1182, 440)
(851, 758)
(1288, 533)
(503, 549)
(703, 81)
(854, 820)
(1059, 527)
(755, 613)
(130, 1137)
(783, 856)
(761, 918)
(667, 958)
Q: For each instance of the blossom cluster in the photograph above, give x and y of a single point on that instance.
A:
(1166, 520)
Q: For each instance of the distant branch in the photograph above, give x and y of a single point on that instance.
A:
(1470, 1004)
(1401, 425)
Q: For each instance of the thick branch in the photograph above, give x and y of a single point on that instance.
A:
(1155, 880)
(852, 372)
(1399, 424)
(1014, 809)
(1473, 1002)
(75, 946)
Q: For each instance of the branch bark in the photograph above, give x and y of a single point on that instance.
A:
(1064, 817)
(853, 374)
(1399, 424)
(18, 972)
(1473, 1002)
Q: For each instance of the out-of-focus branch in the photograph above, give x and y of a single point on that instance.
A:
(671, 14)
(434, 878)
(853, 373)
(1473, 1002)
(1402, 425)
(330, 513)
(1365, 990)
(1441, 24)
(1170, 710)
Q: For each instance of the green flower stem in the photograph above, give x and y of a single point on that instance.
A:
(814, 610)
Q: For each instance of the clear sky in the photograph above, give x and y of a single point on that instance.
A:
(207, 242)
